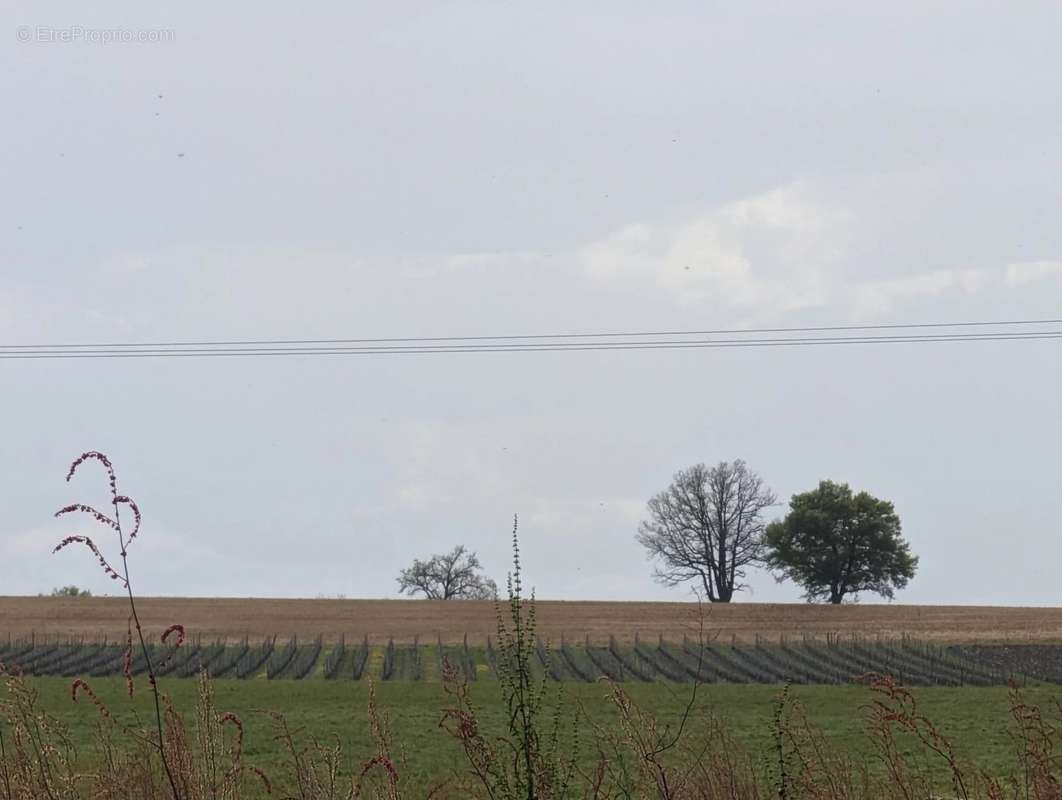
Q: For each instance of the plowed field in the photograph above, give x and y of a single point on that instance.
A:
(403, 620)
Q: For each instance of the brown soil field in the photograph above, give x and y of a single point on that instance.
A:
(452, 620)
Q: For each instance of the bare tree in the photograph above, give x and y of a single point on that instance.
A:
(448, 576)
(707, 526)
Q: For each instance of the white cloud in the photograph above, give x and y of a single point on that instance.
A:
(765, 251)
(1031, 271)
(424, 267)
(705, 259)
(880, 297)
(413, 496)
(782, 208)
(783, 251)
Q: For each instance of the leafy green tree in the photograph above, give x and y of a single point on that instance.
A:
(835, 543)
(71, 591)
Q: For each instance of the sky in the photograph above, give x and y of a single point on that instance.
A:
(248, 171)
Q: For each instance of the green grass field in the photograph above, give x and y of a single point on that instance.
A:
(977, 719)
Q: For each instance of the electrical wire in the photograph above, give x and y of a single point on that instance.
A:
(540, 336)
(734, 338)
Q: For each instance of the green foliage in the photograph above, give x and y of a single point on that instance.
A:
(71, 591)
(531, 760)
(835, 543)
(976, 717)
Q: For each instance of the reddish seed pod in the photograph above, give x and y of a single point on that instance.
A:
(91, 545)
(127, 662)
(176, 628)
(101, 518)
(380, 761)
(93, 454)
(69, 540)
(123, 499)
(268, 784)
(84, 687)
(228, 716)
(179, 630)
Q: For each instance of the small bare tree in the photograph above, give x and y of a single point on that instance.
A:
(448, 576)
(707, 526)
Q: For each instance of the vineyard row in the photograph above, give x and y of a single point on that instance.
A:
(806, 661)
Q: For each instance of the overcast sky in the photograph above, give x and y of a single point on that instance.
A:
(448, 168)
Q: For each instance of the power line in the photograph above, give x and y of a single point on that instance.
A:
(523, 337)
(495, 345)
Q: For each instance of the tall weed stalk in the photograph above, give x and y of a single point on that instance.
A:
(121, 574)
(534, 758)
